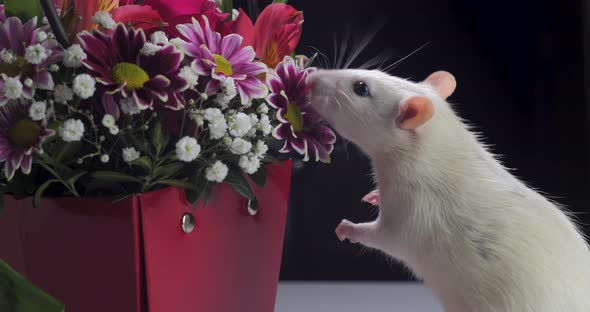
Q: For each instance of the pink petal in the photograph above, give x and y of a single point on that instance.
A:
(230, 44)
(26, 164)
(110, 106)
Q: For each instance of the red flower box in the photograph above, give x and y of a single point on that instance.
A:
(133, 255)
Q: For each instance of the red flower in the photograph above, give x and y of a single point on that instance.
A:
(275, 35)
(182, 11)
(138, 16)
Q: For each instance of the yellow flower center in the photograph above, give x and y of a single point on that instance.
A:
(223, 65)
(20, 66)
(131, 74)
(295, 117)
(25, 133)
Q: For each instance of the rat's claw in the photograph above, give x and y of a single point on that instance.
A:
(346, 230)
(372, 198)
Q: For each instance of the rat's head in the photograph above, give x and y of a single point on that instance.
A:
(374, 109)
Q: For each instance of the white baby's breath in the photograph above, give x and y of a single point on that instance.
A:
(114, 130)
(36, 54)
(105, 158)
(150, 49)
(84, 86)
(227, 91)
(13, 88)
(62, 94)
(239, 124)
(177, 43)
(217, 123)
(38, 110)
(159, 37)
(29, 82)
(262, 109)
(108, 120)
(71, 130)
(240, 146)
(73, 56)
(187, 149)
(130, 154)
(249, 163)
(129, 106)
(41, 36)
(104, 19)
(217, 172)
(190, 75)
(7, 56)
(260, 149)
(264, 124)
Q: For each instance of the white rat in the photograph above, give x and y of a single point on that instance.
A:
(478, 237)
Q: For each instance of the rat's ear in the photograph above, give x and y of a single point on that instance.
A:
(414, 112)
(443, 82)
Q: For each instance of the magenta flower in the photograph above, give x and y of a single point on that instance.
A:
(126, 66)
(20, 137)
(27, 53)
(223, 57)
(299, 126)
(2, 14)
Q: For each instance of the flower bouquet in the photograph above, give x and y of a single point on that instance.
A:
(110, 104)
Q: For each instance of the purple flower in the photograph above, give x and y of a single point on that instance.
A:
(20, 137)
(128, 67)
(299, 126)
(223, 57)
(2, 14)
(26, 53)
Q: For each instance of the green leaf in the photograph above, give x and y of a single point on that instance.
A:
(237, 181)
(143, 162)
(95, 186)
(279, 1)
(113, 176)
(272, 160)
(200, 183)
(68, 152)
(120, 197)
(156, 136)
(140, 143)
(23, 9)
(167, 171)
(178, 183)
(40, 190)
(19, 295)
(259, 177)
(74, 178)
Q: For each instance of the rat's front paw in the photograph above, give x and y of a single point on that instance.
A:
(346, 230)
(372, 198)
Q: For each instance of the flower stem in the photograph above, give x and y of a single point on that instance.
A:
(54, 22)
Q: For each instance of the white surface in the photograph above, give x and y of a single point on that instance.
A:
(354, 297)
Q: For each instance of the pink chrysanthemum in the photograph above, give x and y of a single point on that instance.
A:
(221, 57)
(20, 138)
(300, 126)
(15, 40)
(126, 66)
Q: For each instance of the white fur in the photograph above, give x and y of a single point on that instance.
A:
(478, 237)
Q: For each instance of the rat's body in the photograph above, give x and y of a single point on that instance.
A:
(479, 238)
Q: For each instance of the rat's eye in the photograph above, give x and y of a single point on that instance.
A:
(361, 88)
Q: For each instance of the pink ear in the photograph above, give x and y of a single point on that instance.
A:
(443, 82)
(414, 112)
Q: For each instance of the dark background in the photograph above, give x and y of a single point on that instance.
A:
(520, 72)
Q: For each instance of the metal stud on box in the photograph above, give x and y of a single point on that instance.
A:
(251, 210)
(187, 223)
